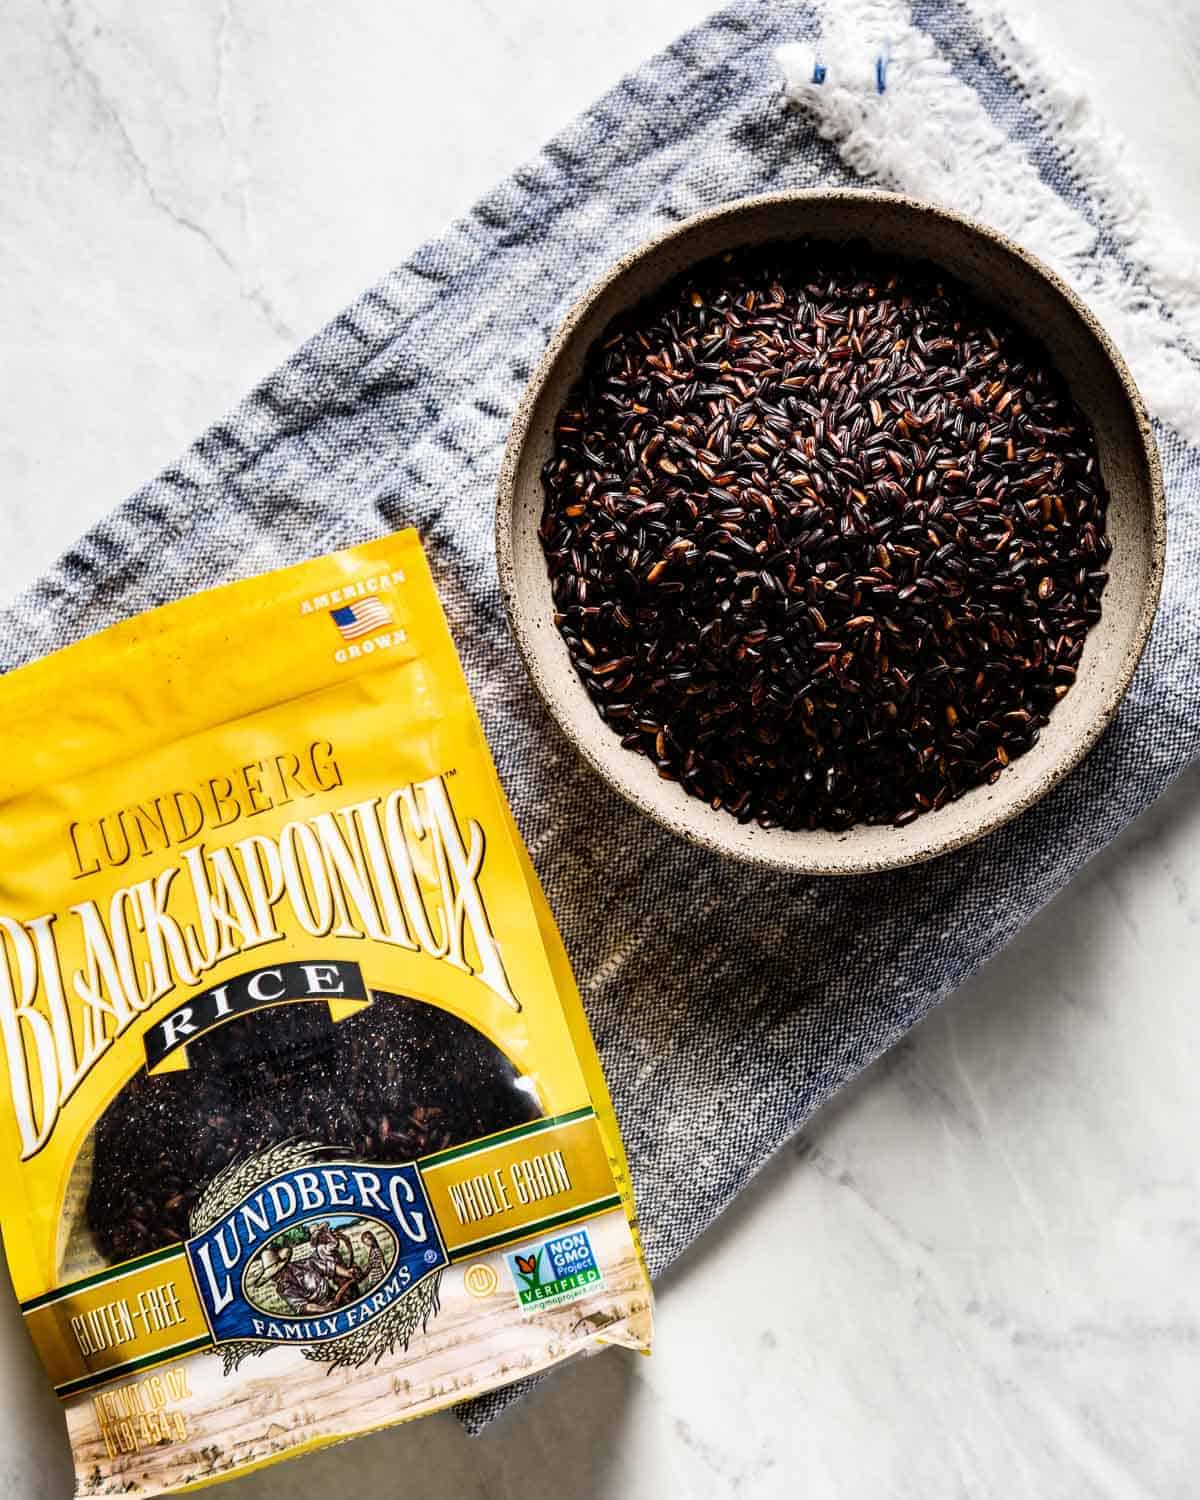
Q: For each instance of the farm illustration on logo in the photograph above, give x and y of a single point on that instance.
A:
(320, 1265)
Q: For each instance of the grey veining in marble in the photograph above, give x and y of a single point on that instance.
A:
(978, 1272)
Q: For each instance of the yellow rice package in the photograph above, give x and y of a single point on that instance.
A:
(303, 1130)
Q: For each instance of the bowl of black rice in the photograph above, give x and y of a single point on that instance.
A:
(831, 530)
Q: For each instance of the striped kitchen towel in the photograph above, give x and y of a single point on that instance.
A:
(727, 1002)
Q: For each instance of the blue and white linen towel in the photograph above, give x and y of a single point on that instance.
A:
(727, 1002)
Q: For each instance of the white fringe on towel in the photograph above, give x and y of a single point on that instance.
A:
(877, 87)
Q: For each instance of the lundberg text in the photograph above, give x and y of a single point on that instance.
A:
(348, 873)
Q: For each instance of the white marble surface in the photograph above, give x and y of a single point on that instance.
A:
(978, 1272)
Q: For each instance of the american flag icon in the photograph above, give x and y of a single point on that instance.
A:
(358, 619)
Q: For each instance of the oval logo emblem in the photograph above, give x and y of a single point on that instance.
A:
(320, 1265)
(480, 1280)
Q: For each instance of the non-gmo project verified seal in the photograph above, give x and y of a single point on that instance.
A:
(556, 1270)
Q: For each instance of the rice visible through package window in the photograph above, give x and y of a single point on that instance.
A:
(303, 1128)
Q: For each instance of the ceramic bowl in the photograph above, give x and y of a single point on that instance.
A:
(1004, 275)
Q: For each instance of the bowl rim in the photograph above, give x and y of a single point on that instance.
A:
(787, 859)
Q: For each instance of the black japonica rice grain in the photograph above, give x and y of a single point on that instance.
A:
(825, 535)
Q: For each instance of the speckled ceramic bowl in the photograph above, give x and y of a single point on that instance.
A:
(1002, 274)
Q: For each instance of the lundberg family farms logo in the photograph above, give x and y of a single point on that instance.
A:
(396, 868)
(338, 1257)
